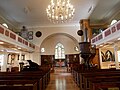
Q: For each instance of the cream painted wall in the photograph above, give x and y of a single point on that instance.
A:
(50, 42)
(47, 31)
(34, 56)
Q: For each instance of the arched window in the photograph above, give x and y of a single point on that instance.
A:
(59, 51)
(113, 22)
(5, 25)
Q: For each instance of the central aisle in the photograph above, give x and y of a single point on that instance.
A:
(61, 80)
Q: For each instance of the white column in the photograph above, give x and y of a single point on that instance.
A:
(100, 57)
(4, 66)
(116, 56)
(20, 59)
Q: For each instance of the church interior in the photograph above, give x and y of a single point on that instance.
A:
(60, 45)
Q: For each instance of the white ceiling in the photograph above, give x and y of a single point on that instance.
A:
(105, 11)
(33, 12)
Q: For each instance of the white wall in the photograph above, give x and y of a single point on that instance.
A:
(51, 36)
(50, 42)
(47, 31)
(34, 56)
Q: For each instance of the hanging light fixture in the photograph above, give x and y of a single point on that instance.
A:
(60, 11)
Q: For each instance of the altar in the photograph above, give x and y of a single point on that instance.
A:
(60, 63)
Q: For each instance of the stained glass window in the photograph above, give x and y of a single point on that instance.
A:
(59, 51)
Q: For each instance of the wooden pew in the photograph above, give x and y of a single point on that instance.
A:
(41, 77)
(18, 85)
(26, 77)
(104, 83)
(82, 83)
(86, 77)
(45, 77)
(17, 88)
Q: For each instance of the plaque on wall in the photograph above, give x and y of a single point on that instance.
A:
(38, 34)
(30, 35)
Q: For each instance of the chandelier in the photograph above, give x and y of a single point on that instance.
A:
(60, 11)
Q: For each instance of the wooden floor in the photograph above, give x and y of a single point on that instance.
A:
(61, 80)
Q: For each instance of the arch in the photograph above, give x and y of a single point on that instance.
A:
(76, 42)
(62, 37)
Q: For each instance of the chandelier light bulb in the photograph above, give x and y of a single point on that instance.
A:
(60, 11)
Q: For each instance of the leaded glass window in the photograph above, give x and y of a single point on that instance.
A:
(59, 51)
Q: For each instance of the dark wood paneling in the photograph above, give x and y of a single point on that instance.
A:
(70, 58)
(46, 59)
